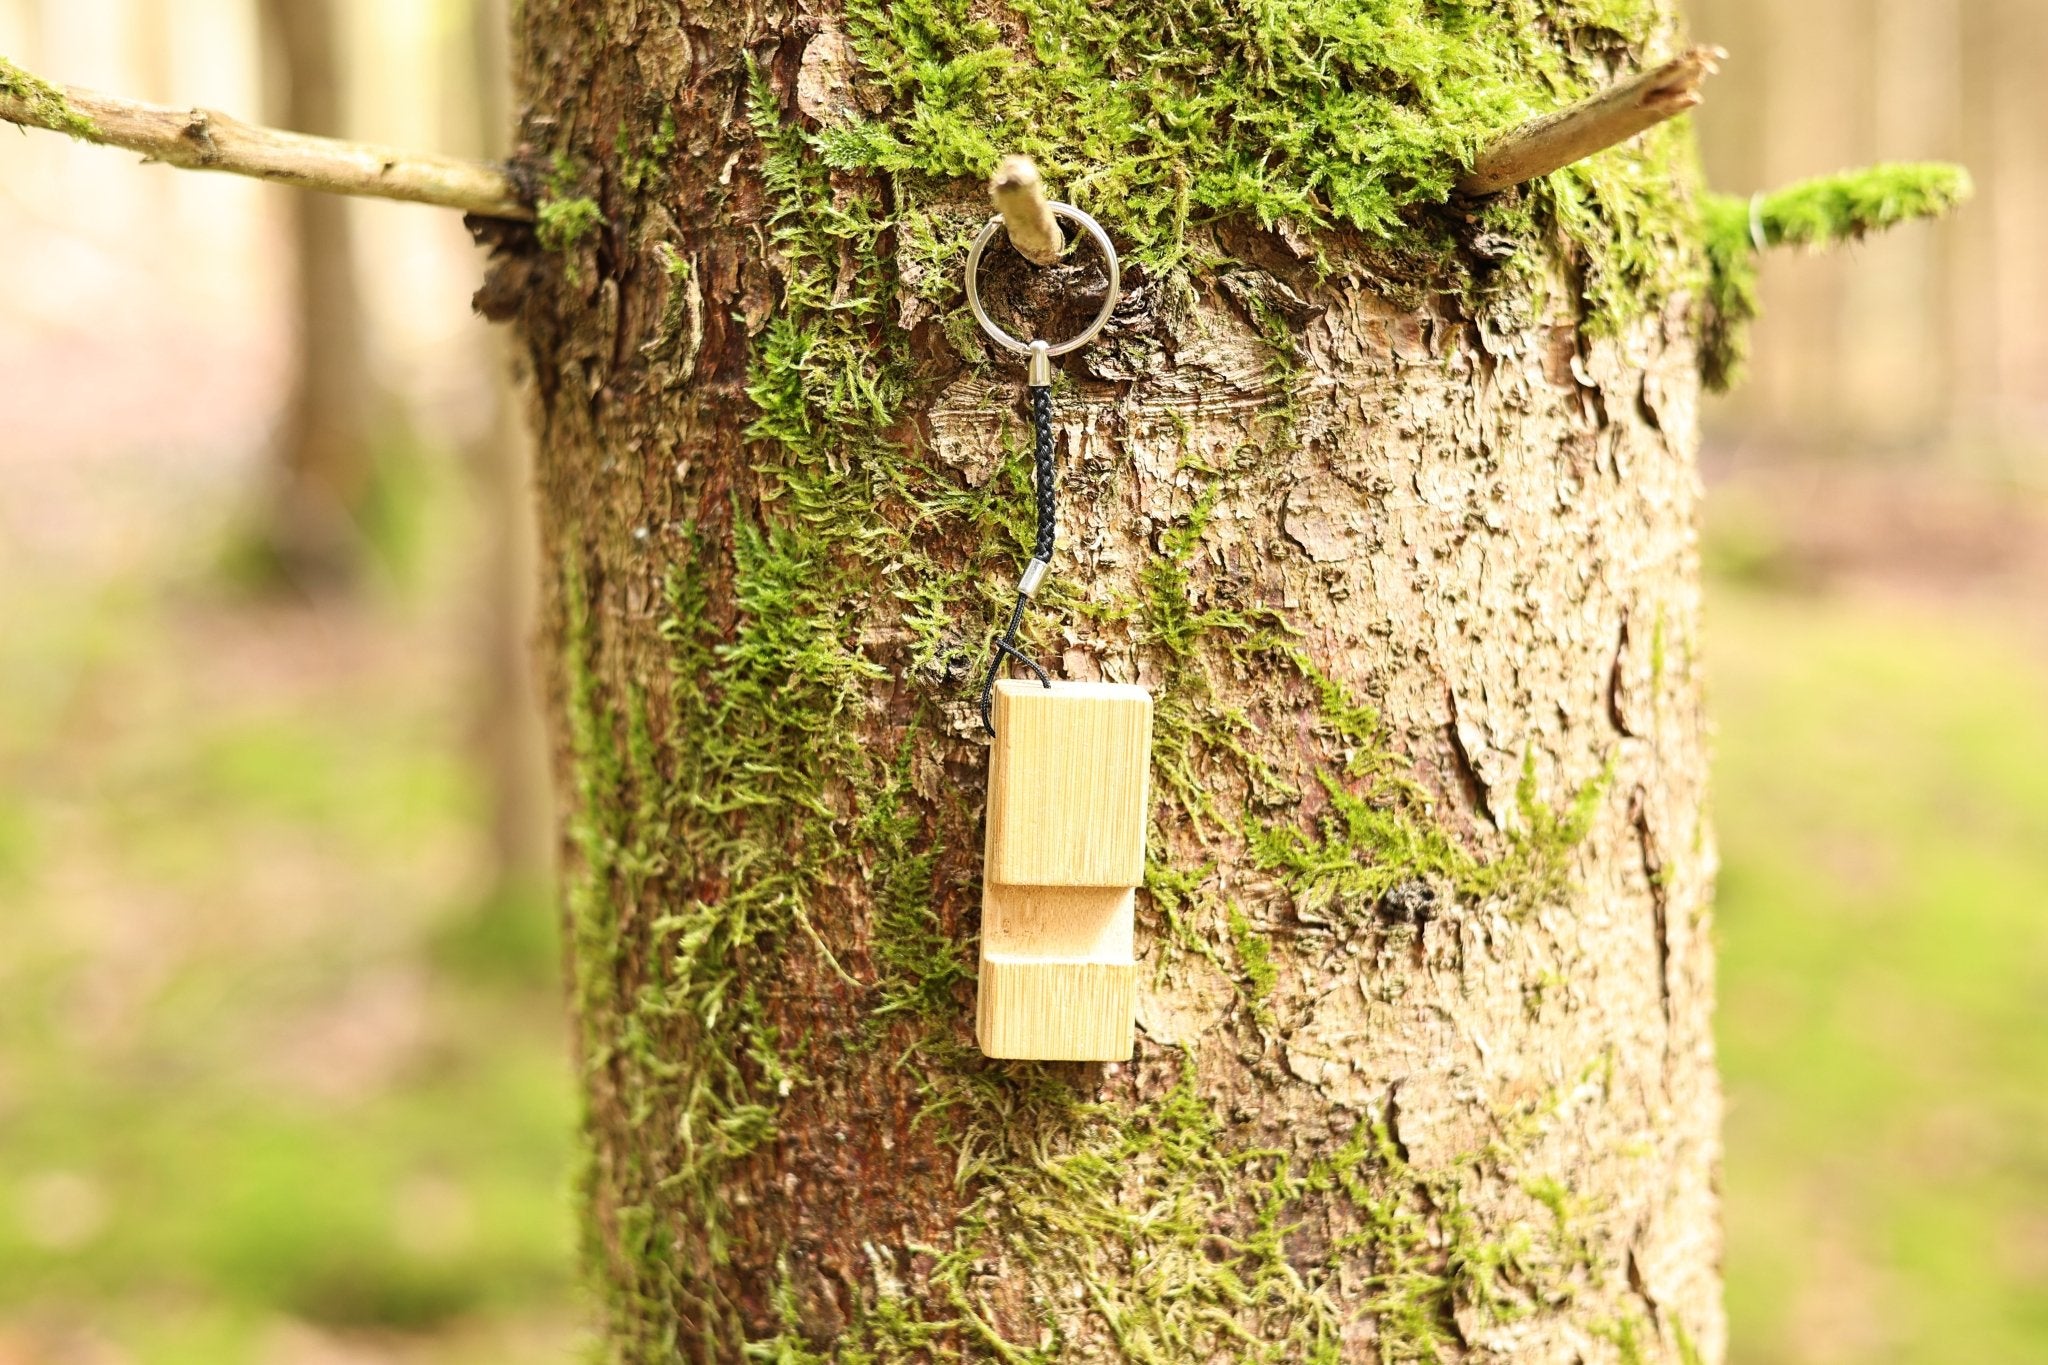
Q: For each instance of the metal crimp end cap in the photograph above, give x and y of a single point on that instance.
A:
(1038, 373)
(1034, 574)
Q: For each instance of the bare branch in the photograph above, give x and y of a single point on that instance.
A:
(1019, 194)
(203, 140)
(1575, 132)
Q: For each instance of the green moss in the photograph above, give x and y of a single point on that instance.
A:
(824, 385)
(1688, 1351)
(1255, 961)
(1354, 114)
(923, 966)
(1845, 207)
(43, 104)
(1212, 1259)
(636, 171)
(1370, 840)
(564, 218)
(728, 796)
(1625, 1335)
(1813, 213)
(562, 223)
(888, 1330)
(1172, 619)
(1184, 899)
(1335, 116)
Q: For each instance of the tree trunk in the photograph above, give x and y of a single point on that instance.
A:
(1395, 513)
(322, 465)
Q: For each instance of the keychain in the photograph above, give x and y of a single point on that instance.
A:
(1068, 778)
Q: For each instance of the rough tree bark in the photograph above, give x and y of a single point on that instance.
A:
(1403, 540)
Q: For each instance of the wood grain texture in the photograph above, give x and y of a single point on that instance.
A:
(1057, 1011)
(1065, 848)
(1067, 784)
(1018, 192)
(1091, 923)
(1607, 119)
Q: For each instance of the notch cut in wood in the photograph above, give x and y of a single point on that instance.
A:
(1069, 780)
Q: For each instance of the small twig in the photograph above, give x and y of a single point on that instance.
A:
(202, 140)
(1019, 194)
(1575, 132)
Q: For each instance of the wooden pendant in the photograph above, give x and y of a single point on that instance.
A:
(1068, 800)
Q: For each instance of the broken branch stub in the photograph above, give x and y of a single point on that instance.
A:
(1019, 194)
(1607, 119)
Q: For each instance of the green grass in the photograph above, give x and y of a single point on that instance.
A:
(1883, 813)
(270, 1061)
(436, 1199)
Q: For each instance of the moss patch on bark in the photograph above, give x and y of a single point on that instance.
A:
(1347, 122)
(726, 795)
(1185, 1245)
(44, 103)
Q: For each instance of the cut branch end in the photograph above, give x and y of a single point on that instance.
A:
(1607, 119)
(1018, 191)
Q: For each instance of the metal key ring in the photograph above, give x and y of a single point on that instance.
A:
(1109, 298)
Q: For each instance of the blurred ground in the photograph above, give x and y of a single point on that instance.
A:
(1878, 644)
(283, 1079)
(278, 1081)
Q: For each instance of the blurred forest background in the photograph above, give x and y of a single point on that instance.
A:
(282, 1055)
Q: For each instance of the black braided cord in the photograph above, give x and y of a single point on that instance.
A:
(1041, 455)
(1006, 643)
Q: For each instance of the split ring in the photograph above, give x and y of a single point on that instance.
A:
(1109, 297)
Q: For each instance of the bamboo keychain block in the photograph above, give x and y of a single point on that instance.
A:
(1068, 782)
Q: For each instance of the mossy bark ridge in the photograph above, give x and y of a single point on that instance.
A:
(1390, 500)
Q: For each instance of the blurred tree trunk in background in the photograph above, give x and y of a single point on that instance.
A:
(511, 744)
(1918, 339)
(2017, 120)
(323, 457)
(149, 42)
(1425, 1060)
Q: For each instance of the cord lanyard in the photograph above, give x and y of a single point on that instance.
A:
(1038, 381)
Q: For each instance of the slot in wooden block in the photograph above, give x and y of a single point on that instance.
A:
(1069, 776)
